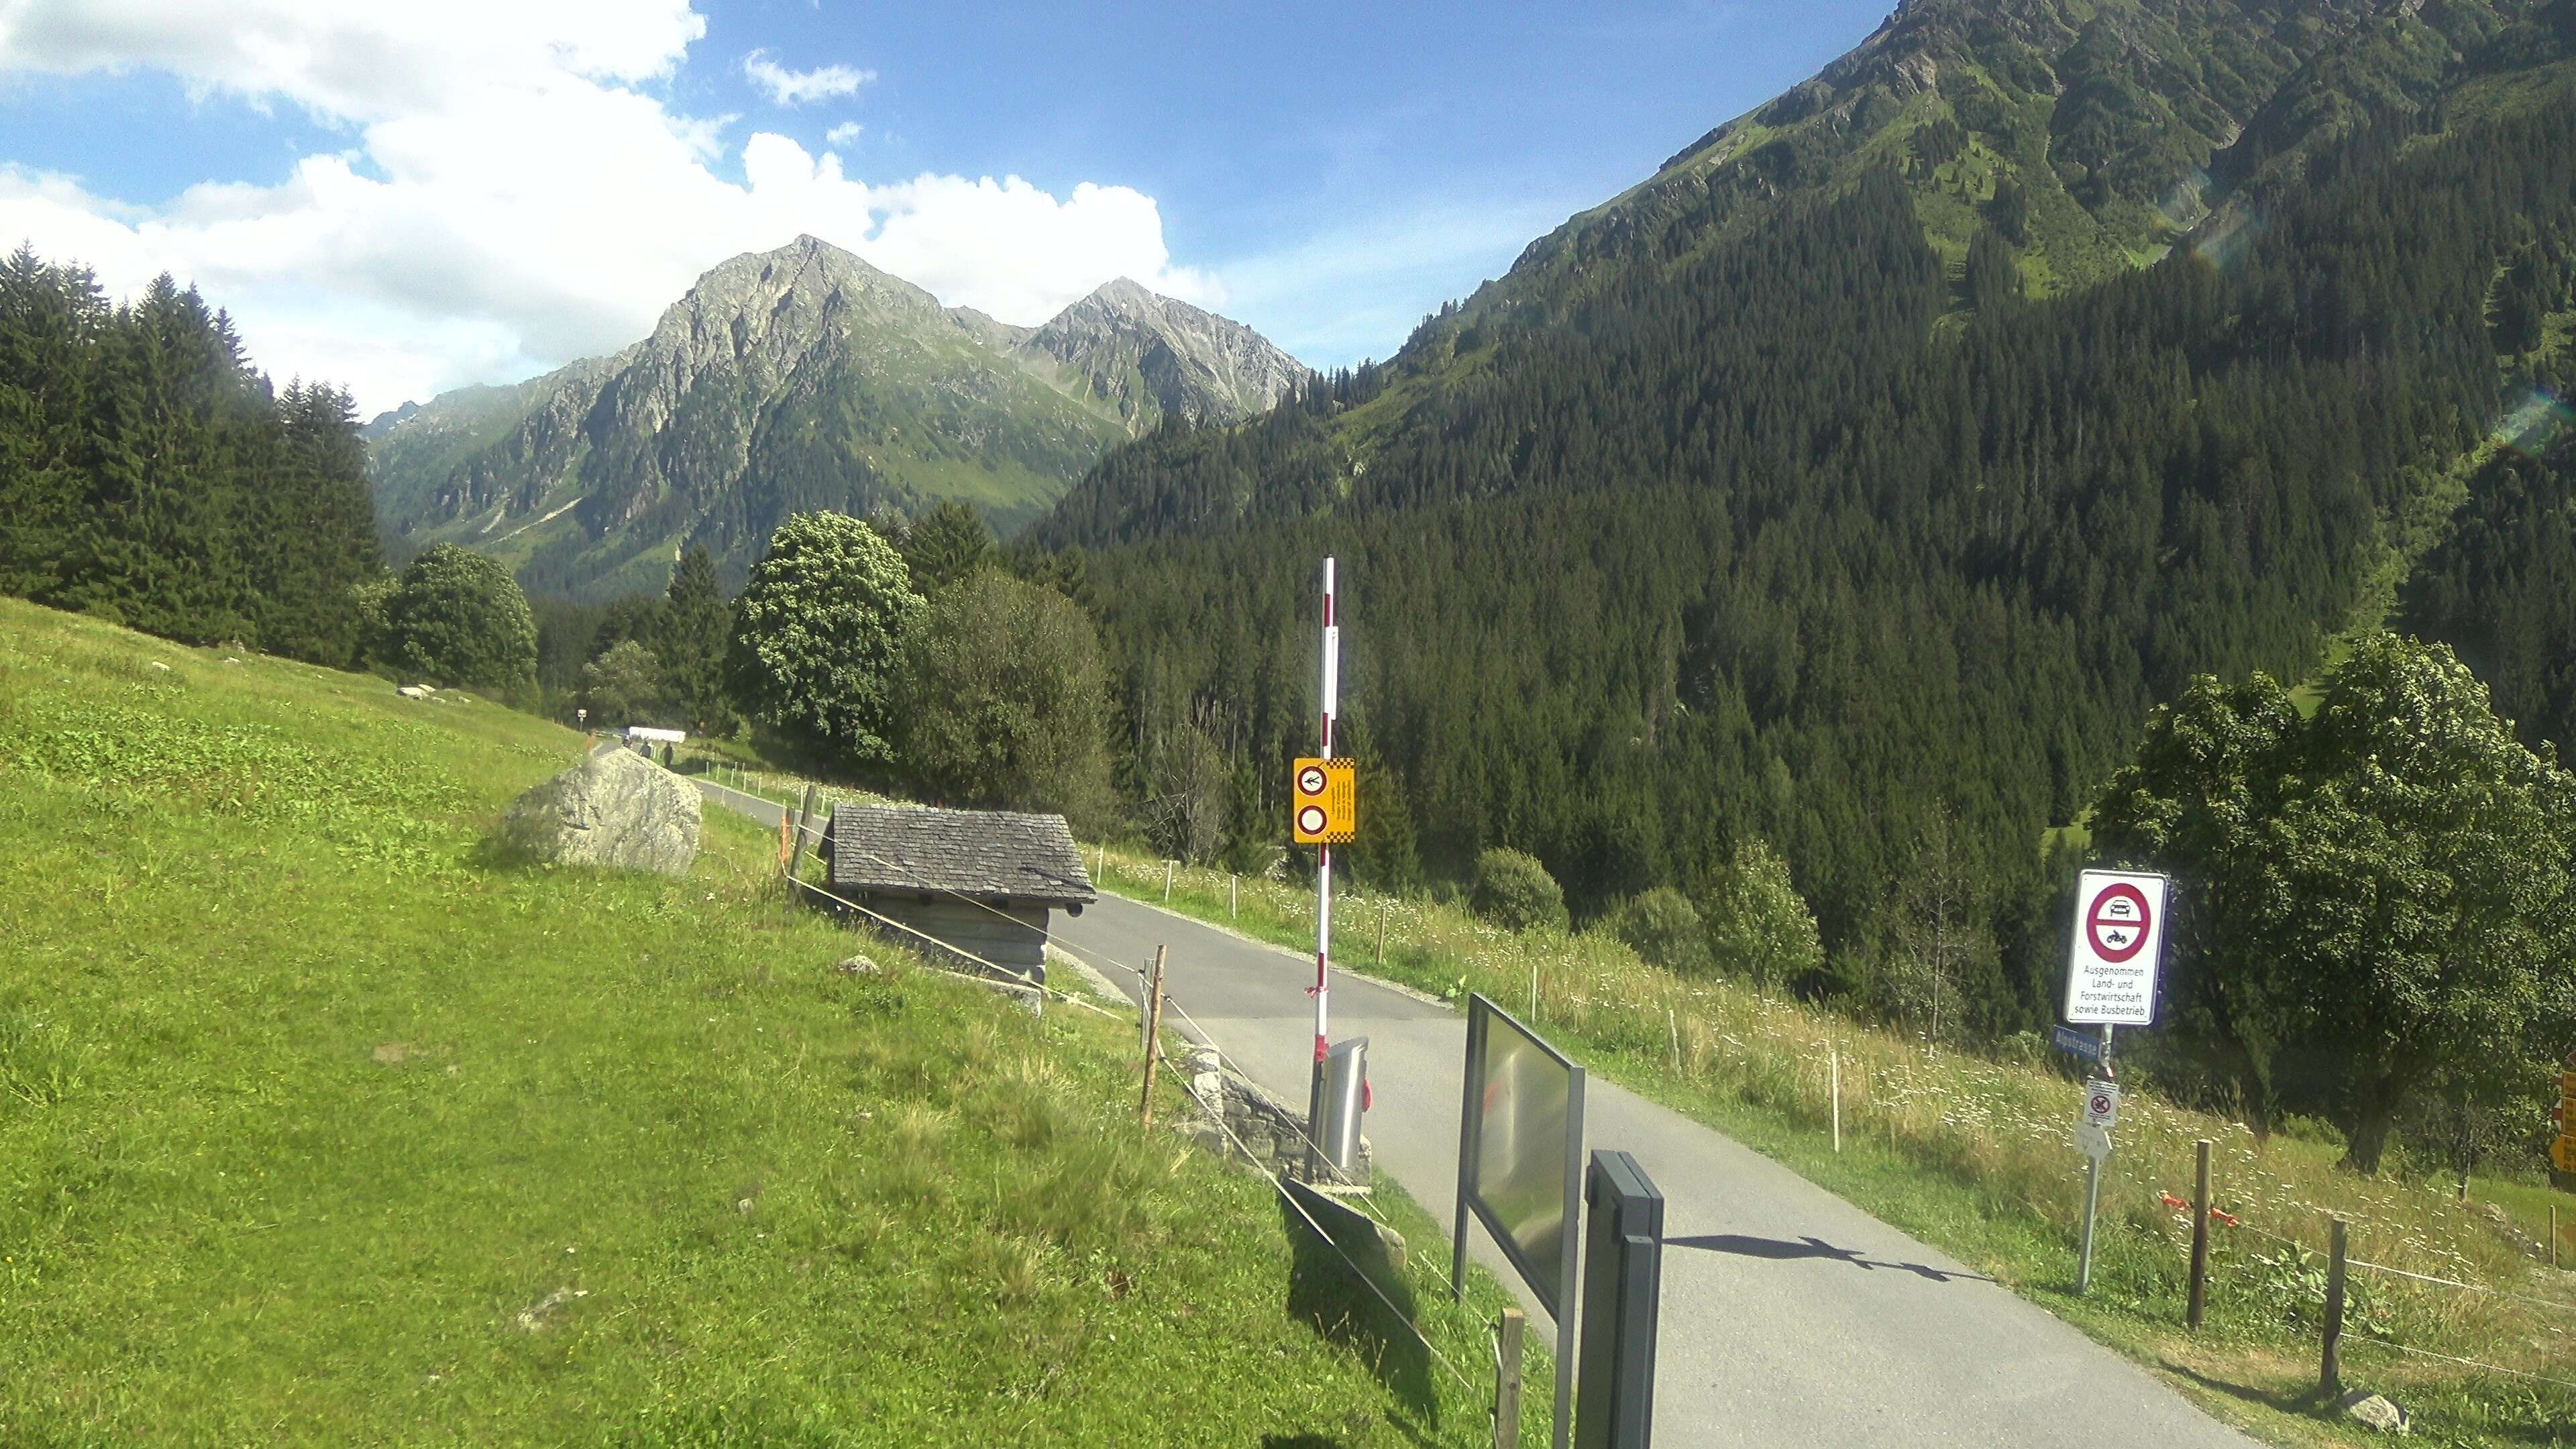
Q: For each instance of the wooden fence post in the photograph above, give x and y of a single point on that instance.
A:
(1153, 1033)
(2330, 1373)
(1507, 1381)
(2199, 1239)
(1834, 1074)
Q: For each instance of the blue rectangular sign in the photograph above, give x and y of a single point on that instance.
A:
(2081, 1043)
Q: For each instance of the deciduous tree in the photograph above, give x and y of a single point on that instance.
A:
(2377, 897)
(817, 633)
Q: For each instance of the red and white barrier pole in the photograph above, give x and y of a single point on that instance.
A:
(1323, 892)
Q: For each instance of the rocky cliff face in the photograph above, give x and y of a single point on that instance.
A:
(796, 379)
(1148, 355)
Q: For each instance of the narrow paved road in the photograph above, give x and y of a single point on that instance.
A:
(1789, 1316)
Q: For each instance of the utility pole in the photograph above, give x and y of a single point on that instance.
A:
(1323, 892)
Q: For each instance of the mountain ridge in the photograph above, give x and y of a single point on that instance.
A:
(799, 377)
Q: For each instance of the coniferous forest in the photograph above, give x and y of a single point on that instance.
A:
(149, 475)
(1813, 540)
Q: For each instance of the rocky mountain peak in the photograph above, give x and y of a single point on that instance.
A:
(1149, 355)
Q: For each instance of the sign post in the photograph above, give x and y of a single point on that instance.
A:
(2110, 981)
(1306, 772)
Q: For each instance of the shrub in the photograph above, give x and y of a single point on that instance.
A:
(1514, 891)
(455, 617)
(1759, 927)
(1663, 928)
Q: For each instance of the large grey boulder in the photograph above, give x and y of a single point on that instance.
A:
(613, 809)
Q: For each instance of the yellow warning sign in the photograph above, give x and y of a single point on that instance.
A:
(2563, 1152)
(1324, 802)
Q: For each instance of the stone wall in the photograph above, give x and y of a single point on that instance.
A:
(1258, 1129)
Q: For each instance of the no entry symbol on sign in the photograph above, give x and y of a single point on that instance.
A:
(2118, 922)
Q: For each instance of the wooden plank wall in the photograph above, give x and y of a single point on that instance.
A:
(1016, 937)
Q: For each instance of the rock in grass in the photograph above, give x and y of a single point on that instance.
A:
(2372, 1411)
(613, 809)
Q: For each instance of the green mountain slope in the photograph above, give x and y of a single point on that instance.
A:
(1791, 523)
(796, 379)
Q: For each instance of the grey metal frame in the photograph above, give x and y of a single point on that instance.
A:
(1557, 1298)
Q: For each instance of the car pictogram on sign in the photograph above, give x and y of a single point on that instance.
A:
(2119, 922)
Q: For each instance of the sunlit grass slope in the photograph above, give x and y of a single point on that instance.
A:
(319, 1126)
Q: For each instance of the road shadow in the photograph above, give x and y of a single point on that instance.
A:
(1781, 1250)
(1347, 1283)
(2302, 1401)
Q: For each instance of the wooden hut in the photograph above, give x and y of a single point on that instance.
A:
(981, 882)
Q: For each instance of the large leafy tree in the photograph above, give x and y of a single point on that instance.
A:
(817, 634)
(2377, 899)
(457, 617)
(1005, 700)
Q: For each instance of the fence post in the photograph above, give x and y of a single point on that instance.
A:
(1507, 1380)
(1230, 902)
(1834, 1075)
(2330, 1374)
(1167, 881)
(1153, 1033)
(1381, 932)
(2199, 1238)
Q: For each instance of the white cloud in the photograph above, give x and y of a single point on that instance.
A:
(796, 87)
(515, 193)
(844, 133)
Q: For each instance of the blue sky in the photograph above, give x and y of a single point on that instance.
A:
(408, 200)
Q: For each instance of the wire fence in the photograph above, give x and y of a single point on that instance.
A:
(798, 831)
(2336, 1338)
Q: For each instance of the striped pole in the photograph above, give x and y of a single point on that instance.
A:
(1323, 892)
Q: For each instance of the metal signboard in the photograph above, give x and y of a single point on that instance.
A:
(1521, 1148)
(1323, 802)
(2119, 942)
(1520, 1168)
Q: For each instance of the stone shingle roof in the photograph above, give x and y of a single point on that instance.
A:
(986, 854)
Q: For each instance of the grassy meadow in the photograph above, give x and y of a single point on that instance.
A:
(321, 1125)
(1976, 1155)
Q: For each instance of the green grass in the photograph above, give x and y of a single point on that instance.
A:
(319, 1125)
(1974, 1154)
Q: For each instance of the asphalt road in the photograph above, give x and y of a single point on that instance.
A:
(1789, 1316)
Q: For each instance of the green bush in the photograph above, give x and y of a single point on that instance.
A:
(1759, 927)
(1663, 928)
(1514, 891)
(455, 617)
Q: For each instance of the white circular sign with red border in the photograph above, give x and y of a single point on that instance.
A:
(2118, 946)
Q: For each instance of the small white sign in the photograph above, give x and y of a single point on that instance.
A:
(2119, 943)
(2092, 1141)
(2102, 1104)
